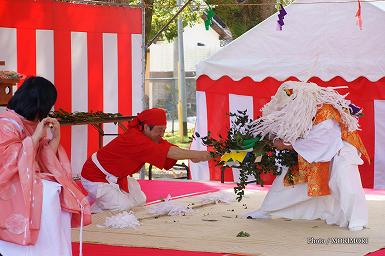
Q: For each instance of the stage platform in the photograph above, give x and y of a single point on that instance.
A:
(213, 228)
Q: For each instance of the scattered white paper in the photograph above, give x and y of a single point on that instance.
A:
(121, 220)
(168, 207)
(220, 197)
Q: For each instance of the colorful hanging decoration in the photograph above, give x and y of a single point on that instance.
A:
(358, 15)
(281, 15)
(209, 18)
(234, 157)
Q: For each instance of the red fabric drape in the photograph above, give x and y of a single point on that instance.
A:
(361, 91)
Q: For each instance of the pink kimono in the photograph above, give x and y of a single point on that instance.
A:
(22, 168)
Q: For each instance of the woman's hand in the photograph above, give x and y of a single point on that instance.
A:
(41, 132)
(55, 130)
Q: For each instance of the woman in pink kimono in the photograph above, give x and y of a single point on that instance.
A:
(38, 198)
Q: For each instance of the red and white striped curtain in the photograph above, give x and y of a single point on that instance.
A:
(93, 54)
(217, 98)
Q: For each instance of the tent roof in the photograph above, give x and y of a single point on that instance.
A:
(318, 39)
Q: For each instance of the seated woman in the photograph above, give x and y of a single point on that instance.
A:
(38, 198)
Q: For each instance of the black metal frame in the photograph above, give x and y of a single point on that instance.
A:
(179, 165)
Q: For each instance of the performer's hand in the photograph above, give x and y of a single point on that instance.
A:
(201, 157)
(194, 155)
(281, 145)
(206, 156)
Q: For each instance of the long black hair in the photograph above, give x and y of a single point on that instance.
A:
(34, 98)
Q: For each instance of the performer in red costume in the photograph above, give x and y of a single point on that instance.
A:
(106, 174)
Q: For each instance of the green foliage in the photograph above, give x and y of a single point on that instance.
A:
(164, 10)
(67, 117)
(159, 12)
(242, 17)
(239, 18)
(262, 159)
(243, 234)
(270, 162)
(283, 2)
(176, 140)
(237, 136)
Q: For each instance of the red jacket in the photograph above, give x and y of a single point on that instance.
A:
(125, 155)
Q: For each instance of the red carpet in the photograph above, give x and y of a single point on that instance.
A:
(380, 252)
(108, 250)
(156, 190)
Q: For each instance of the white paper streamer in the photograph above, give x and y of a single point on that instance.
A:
(290, 117)
(121, 220)
(169, 207)
(217, 198)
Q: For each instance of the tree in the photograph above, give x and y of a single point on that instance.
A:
(164, 10)
(158, 13)
(240, 16)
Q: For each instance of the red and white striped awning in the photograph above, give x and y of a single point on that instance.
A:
(93, 54)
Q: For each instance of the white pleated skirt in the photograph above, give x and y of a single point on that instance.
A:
(346, 206)
(55, 229)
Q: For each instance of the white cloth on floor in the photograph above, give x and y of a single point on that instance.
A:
(55, 229)
(108, 196)
(346, 206)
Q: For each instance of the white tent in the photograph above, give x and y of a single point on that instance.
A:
(320, 41)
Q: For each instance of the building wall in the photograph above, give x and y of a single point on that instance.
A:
(161, 87)
(163, 93)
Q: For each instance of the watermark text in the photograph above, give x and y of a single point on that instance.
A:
(337, 240)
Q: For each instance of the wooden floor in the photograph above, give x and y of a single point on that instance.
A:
(213, 228)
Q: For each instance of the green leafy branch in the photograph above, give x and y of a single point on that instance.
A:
(262, 157)
(74, 117)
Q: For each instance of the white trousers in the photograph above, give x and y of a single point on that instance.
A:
(108, 196)
(55, 229)
(346, 206)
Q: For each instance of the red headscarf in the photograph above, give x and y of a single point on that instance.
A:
(153, 116)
